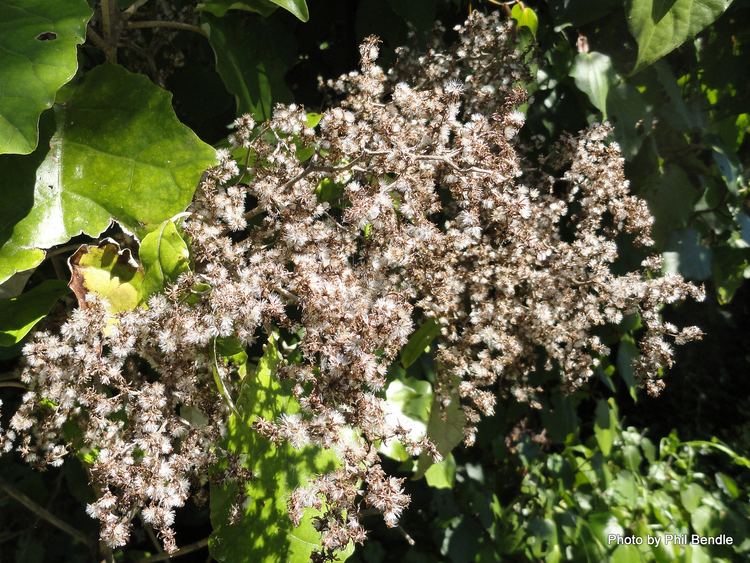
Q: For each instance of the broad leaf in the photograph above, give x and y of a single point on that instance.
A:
(264, 532)
(446, 425)
(18, 315)
(525, 17)
(252, 57)
(418, 341)
(164, 255)
(593, 75)
(442, 475)
(407, 404)
(109, 273)
(118, 152)
(660, 26)
(38, 54)
(219, 8)
(687, 256)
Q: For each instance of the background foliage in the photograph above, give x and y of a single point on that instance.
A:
(85, 142)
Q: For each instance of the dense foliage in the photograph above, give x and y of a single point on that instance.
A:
(373, 280)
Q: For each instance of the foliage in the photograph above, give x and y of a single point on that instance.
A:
(112, 113)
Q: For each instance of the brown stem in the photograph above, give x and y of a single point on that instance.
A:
(182, 551)
(167, 24)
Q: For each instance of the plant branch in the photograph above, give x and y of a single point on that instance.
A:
(190, 548)
(133, 8)
(16, 384)
(168, 24)
(45, 514)
(96, 39)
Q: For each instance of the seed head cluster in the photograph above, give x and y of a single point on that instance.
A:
(411, 200)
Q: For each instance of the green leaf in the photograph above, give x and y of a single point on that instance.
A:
(525, 17)
(691, 496)
(686, 255)
(18, 315)
(264, 533)
(118, 152)
(109, 273)
(626, 554)
(164, 255)
(408, 403)
(252, 57)
(730, 269)
(442, 475)
(38, 54)
(418, 341)
(445, 428)
(660, 26)
(593, 75)
(605, 425)
(265, 8)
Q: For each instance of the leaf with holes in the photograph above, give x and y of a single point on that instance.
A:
(117, 152)
(38, 54)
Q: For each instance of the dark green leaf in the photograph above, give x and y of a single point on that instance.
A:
(252, 57)
(661, 26)
(18, 315)
(219, 8)
(418, 341)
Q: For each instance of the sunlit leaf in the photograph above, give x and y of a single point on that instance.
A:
(118, 152)
(264, 532)
(593, 75)
(38, 54)
(107, 272)
(164, 255)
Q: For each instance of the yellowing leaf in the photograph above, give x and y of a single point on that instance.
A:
(109, 273)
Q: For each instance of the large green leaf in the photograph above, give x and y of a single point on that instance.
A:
(118, 152)
(219, 8)
(164, 255)
(18, 315)
(660, 26)
(264, 532)
(38, 40)
(252, 57)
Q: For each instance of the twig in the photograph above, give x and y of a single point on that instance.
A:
(16, 384)
(45, 514)
(167, 24)
(133, 8)
(96, 39)
(190, 548)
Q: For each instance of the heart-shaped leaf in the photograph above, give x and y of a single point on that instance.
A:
(118, 152)
(38, 44)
